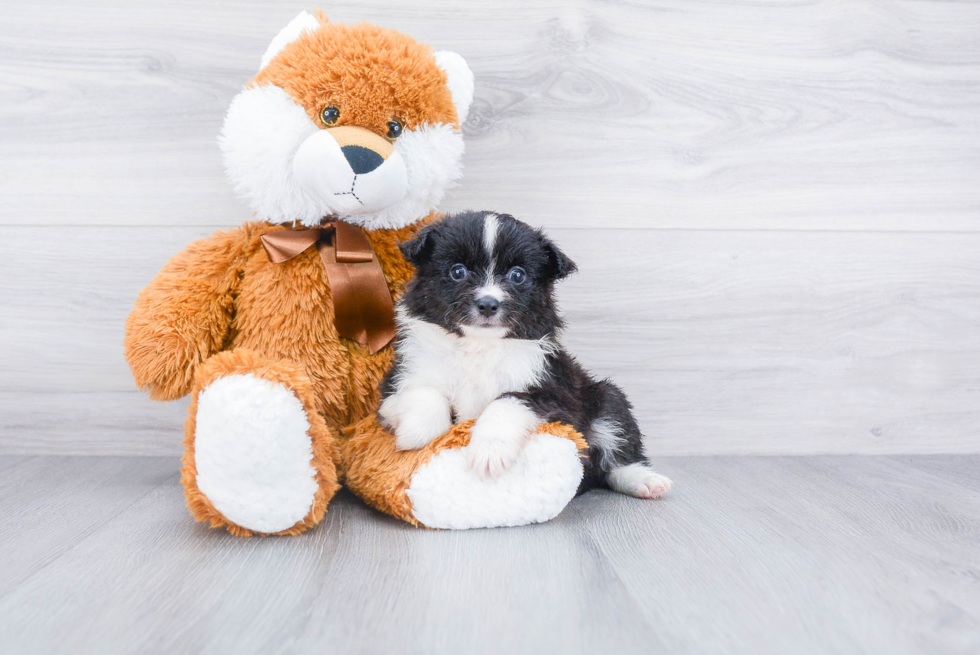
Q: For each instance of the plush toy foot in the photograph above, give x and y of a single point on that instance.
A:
(435, 486)
(259, 459)
(447, 492)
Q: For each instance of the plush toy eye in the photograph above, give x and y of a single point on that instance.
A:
(517, 275)
(395, 128)
(457, 272)
(330, 114)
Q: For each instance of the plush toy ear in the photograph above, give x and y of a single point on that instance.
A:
(561, 266)
(305, 22)
(418, 249)
(460, 81)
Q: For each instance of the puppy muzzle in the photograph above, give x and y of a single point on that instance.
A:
(351, 169)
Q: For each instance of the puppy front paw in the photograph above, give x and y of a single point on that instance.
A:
(416, 416)
(417, 430)
(492, 456)
(498, 437)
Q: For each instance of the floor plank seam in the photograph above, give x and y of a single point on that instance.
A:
(89, 533)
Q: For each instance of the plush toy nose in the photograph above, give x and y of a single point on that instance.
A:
(362, 160)
(488, 305)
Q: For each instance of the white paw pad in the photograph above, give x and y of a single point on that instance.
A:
(253, 453)
(638, 480)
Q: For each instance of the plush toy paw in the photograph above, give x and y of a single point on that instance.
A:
(259, 459)
(417, 416)
(447, 493)
(638, 480)
(437, 488)
(498, 437)
(254, 453)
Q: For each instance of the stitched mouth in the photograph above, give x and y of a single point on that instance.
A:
(351, 192)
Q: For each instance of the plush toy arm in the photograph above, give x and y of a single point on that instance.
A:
(183, 316)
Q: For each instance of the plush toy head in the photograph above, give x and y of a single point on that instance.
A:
(353, 121)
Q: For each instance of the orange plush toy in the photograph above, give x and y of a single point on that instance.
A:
(343, 145)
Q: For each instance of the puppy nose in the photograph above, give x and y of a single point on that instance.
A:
(362, 160)
(488, 305)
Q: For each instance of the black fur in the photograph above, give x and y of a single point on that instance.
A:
(566, 391)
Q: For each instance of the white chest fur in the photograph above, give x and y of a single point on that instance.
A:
(471, 370)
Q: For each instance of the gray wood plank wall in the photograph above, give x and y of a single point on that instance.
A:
(775, 207)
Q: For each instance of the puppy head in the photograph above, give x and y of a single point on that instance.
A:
(353, 121)
(485, 274)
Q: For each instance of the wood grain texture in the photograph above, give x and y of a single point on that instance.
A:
(49, 504)
(763, 555)
(801, 147)
(674, 113)
(727, 342)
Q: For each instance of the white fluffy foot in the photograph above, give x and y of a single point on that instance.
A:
(253, 453)
(417, 415)
(498, 436)
(638, 480)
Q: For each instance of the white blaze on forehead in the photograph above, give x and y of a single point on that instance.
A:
(490, 227)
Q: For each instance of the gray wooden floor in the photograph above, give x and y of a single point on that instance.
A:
(819, 554)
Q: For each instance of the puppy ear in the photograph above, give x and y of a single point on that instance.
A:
(459, 79)
(304, 22)
(560, 265)
(418, 249)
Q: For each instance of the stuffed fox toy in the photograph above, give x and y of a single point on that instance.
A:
(343, 145)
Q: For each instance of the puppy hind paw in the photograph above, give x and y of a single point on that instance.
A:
(639, 480)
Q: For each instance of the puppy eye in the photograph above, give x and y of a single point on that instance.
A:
(395, 128)
(330, 115)
(457, 272)
(517, 275)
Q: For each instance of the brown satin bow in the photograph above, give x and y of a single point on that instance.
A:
(362, 305)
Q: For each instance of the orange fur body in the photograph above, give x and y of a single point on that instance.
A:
(221, 307)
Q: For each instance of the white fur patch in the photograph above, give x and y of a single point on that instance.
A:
(263, 133)
(607, 437)
(446, 493)
(638, 480)
(304, 22)
(433, 159)
(459, 80)
(263, 129)
(472, 370)
(481, 332)
(253, 453)
(321, 169)
(499, 435)
(490, 227)
(492, 290)
(417, 415)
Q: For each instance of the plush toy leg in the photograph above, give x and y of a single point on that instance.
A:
(436, 488)
(259, 459)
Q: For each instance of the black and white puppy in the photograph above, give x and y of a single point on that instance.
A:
(478, 338)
